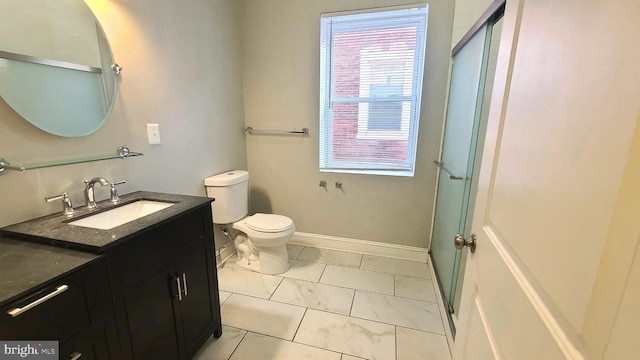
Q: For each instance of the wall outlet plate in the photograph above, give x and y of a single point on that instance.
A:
(153, 133)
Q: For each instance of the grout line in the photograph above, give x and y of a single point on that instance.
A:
(378, 271)
(239, 342)
(404, 326)
(360, 266)
(396, 296)
(291, 341)
(353, 300)
(394, 285)
(249, 295)
(424, 331)
(373, 321)
(409, 298)
(328, 284)
(395, 330)
(276, 289)
(299, 324)
(322, 273)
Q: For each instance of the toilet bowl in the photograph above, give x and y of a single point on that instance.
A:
(264, 248)
(260, 239)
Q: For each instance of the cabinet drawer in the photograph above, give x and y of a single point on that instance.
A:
(56, 312)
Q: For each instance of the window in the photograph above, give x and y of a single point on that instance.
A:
(371, 67)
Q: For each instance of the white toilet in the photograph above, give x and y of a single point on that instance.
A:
(260, 239)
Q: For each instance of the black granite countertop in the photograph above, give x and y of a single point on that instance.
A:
(55, 230)
(25, 265)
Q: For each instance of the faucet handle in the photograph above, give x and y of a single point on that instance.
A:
(67, 208)
(114, 192)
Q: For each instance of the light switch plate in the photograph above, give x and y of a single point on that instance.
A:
(153, 133)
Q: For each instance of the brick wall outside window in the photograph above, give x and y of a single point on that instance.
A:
(346, 83)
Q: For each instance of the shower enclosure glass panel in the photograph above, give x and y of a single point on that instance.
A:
(458, 153)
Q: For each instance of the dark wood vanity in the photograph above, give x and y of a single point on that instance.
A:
(149, 293)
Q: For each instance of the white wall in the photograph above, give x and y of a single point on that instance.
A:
(281, 91)
(182, 70)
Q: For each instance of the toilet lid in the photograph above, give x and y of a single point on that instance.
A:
(268, 222)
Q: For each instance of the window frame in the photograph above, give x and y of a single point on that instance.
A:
(388, 18)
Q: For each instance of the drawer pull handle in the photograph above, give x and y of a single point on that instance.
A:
(17, 311)
(75, 356)
(184, 283)
(179, 288)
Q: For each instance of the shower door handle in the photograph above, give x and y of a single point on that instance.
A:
(440, 166)
(460, 242)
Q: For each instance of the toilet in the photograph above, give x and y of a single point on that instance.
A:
(260, 239)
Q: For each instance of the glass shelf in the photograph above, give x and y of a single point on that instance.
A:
(121, 153)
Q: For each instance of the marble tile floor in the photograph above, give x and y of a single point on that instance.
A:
(329, 305)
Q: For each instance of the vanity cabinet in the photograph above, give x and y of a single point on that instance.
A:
(75, 310)
(165, 290)
(146, 289)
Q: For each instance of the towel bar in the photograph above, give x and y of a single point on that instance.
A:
(251, 130)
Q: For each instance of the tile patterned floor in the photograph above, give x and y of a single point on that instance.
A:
(329, 305)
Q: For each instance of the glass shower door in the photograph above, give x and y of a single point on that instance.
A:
(457, 160)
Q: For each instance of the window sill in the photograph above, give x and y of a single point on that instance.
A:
(403, 173)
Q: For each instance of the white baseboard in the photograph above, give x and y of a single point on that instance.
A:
(395, 251)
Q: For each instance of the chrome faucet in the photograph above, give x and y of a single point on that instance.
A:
(67, 207)
(88, 191)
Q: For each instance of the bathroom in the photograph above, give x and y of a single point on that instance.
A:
(203, 70)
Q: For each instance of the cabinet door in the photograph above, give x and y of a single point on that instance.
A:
(197, 306)
(151, 319)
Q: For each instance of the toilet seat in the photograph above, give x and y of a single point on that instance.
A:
(269, 223)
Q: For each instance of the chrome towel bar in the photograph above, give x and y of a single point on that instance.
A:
(251, 130)
(440, 165)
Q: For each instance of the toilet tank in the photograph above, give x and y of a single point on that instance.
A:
(231, 191)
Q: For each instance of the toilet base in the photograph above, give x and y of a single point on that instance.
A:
(274, 260)
(253, 266)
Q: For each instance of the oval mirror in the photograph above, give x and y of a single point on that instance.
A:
(56, 65)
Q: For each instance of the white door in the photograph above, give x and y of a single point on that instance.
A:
(557, 215)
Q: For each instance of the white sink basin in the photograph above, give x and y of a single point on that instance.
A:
(121, 215)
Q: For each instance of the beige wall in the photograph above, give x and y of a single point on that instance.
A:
(182, 70)
(281, 91)
(466, 13)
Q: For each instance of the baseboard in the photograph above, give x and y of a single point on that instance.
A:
(395, 251)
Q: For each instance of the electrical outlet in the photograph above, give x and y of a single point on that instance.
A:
(153, 133)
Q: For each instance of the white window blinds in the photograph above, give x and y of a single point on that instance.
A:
(371, 68)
